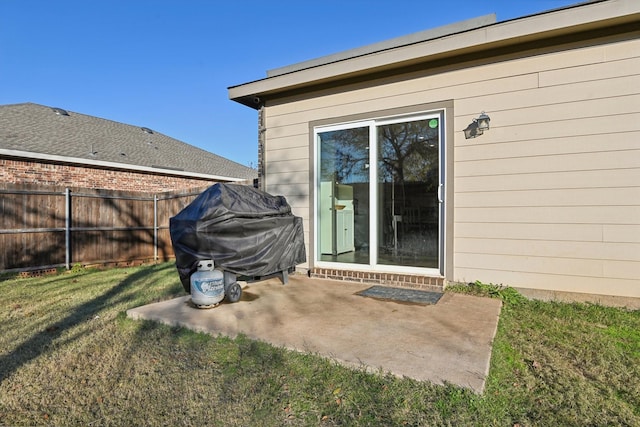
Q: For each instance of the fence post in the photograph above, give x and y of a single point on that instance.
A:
(155, 227)
(67, 228)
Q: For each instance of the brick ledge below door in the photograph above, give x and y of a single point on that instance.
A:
(411, 281)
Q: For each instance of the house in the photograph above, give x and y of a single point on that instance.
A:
(382, 151)
(43, 146)
(77, 189)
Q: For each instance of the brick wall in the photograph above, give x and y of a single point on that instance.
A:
(61, 175)
(425, 283)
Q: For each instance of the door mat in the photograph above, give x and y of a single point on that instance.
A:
(412, 296)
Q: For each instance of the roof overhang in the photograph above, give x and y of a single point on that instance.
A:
(159, 170)
(472, 37)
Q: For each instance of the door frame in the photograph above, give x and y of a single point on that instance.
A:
(444, 212)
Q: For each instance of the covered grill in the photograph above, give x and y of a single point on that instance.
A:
(247, 232)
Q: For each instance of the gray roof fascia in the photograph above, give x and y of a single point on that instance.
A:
(554, 22)
(112, 165)
(421, 36)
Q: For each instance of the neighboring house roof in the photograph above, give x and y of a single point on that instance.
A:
(447, 45)
(52, 134)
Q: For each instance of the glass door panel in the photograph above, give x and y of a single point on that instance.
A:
(343, 196)
(407, 203)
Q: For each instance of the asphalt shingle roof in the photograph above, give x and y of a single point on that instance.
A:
(40, 129)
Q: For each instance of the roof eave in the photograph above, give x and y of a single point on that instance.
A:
(581, 17)
(113, 165)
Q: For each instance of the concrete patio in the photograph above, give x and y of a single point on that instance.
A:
(448, 342)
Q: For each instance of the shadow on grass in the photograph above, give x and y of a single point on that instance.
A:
(39, 343)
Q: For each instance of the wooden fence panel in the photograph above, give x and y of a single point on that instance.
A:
(169, 205)
(31, 228)
(30, 211)
(105, 226)
(25, 250)
(111, 246)
(111, 227)
(42, 249)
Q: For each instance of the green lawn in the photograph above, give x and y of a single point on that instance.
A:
(69, 356)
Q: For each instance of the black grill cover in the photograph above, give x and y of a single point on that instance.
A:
(244, 230)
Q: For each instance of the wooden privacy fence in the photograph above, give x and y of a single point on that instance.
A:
(61, 227)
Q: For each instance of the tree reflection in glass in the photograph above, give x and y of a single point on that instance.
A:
(406, 204)
(408, 179)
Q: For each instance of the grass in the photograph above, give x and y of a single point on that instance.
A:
(69, 356)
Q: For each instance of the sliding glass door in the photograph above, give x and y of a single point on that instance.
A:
(343, 195)
(396, 222)
(408, 181)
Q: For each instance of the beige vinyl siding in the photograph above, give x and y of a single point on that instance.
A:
(549, 198)
(549, 180)
(582, 283)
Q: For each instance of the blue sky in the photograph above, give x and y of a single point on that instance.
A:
(166, 64)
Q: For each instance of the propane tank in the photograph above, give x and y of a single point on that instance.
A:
(207, 285)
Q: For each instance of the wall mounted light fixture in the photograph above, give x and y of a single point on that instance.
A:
(483, 121)
(477, 126)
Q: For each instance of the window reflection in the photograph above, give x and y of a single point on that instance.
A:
(344, 196)
(408, 179)
(406, 206)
